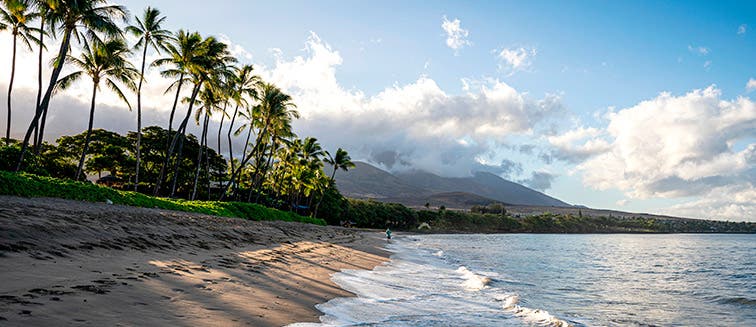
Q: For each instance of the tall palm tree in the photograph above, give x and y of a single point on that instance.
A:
(103, 62)
(342, 161)
(251, 116)
(182, 55)
(77, 18)
(16, 16)
(213, 60)
(151, 35)
(245, 85)
(275, 109)
(211, 97)
(276, 113)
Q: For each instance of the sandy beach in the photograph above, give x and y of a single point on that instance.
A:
(70, 263)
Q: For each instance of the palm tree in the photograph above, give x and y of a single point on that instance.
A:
(102, 62)
(150, 34)
(276, 113)
(245, 85)
(77, 18)
(183, 55)
(213, 60)
(16, 16)
(210, 98)
(275, 109)
(251, 115)
(342, 161)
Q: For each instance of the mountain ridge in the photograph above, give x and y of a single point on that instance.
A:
(366, 181)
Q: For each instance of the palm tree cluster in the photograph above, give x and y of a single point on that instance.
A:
(273, 164)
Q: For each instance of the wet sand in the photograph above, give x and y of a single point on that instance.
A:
(71, 263)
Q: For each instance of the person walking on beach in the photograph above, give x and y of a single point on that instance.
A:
(388, 234)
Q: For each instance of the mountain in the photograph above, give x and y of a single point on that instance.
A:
(415, 188)
(365, 181)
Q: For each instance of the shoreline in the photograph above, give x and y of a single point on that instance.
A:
(67, 262)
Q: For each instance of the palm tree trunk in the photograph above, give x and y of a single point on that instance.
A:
(62, 52)
(139, 118)
(89, 132)
(199, 155)
(259, 158)
(207, 156)
(230, 147)
(175, 102)
(183, 136)
(177, 164)
(237, 172)
(274, 145)
(39, 127)
(10, 88)
(173, 139)
(220, 128)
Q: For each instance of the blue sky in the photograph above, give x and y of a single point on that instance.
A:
(637, 106)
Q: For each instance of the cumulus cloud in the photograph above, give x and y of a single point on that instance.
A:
(733, 202)
(418, 122)
(677, 146)
(751, 85)
(456, 36)
(578, 144)
(515, 59)
(742, 29)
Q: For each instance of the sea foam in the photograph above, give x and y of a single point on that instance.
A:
(473, 281)
(534, 316)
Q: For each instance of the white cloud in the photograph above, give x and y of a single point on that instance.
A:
(742, 29)
(456, 36)
(578, 144)
(236, 50)
(751, 85)
(515, 59)
(676, 146)
(418, 122)
(701, 50)
(735, 202)
(707, 64)
(622, 202)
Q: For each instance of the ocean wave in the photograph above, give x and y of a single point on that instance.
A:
(534, 316)
(473, 281)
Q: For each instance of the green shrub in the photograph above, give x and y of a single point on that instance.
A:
(28, 185)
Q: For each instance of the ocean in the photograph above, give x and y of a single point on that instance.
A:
(553, 280)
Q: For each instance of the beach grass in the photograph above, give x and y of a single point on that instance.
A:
(29, 185)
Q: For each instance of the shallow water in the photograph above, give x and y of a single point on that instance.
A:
(554, 280)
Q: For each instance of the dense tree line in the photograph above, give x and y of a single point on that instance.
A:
(274, 166)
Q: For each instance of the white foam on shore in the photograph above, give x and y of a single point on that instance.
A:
(422, 287)
(534, 316)
(473, 281)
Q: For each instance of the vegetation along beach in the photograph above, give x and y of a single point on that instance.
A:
(412, 164)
